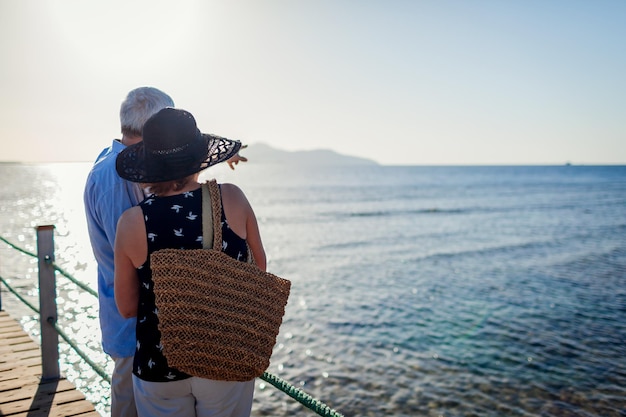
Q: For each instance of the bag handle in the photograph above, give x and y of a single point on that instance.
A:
(211, 212)
(212, 209)
(207, 213)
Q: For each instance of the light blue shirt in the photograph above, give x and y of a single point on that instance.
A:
(106, 197)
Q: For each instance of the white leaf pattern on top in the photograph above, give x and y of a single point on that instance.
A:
(176, 207)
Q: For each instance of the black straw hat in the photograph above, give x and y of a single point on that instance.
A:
(172, 148)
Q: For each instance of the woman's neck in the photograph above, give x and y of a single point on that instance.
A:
(191, 186)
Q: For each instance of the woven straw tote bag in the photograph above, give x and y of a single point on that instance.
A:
(218, 317)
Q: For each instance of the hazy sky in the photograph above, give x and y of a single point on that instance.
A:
(400, 82)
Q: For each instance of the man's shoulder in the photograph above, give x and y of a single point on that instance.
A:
(110, 152)
(103, 172)
(103, 178)
(104, 165)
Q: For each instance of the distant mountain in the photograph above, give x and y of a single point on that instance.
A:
(262, 153)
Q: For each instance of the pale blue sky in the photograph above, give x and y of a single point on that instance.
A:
(400, 82)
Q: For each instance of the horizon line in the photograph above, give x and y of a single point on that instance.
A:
(432, 164)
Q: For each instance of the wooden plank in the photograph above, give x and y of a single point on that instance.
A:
(19, 390)
(9, 354)
(11, 381)
(18, 352)
(6, 322)
(22, 392)
(75, 409)
(19, 363)
(18, 344)
(21, 373)
(13, 336)
(39, 401)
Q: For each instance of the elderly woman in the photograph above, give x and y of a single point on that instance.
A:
(167, 163)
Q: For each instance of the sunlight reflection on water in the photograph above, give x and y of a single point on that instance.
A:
(500, 301)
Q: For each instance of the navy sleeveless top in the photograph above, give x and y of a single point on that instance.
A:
(171, 222)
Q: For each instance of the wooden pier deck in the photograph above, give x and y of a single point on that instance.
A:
(22, 393)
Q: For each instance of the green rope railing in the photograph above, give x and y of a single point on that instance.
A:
(297, 394)
(18, 248)
(80, 284)
(300, 396)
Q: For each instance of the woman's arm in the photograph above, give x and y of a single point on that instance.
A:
(242, 220)
(254, 240)
(131, 250)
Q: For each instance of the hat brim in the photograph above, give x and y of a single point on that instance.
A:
(210, 150)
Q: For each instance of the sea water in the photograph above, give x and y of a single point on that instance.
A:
(431, 291)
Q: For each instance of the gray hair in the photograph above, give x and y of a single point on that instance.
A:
(139, 105)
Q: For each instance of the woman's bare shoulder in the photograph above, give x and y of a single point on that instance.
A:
(131, 216)
(130, 224)
(231, 191)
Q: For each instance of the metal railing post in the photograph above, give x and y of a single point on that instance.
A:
(47, 304)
